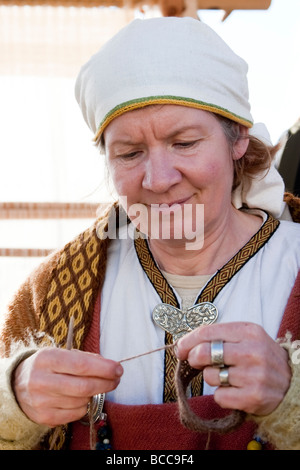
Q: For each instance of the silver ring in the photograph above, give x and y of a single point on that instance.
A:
(217, 353)
(224, 377)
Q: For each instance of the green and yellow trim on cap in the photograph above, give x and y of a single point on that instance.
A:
(168, 99)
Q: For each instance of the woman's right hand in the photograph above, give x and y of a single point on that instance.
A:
(54, 386)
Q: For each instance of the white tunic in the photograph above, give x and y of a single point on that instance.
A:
(257, 293)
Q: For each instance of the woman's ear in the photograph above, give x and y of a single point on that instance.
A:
(241, 145)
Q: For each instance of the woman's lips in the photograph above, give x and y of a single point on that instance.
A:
(169, 205)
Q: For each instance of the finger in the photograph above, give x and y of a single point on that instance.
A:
(55, 416)
(200, 355)
(78, 363)
(231, 398)
(242, 377)
(253, 400)
(246, 354)
(211, 375)
(65, 385)
(43, 401)
(70, 403)
(245, 391)
(234, 332)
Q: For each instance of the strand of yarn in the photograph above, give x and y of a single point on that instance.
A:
(168, 346)
(92, 428)
(183, 376)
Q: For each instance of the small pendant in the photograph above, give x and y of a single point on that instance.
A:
(179, 322)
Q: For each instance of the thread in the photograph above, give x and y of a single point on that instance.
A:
(168, 346)
(92, 428)
(69, 343)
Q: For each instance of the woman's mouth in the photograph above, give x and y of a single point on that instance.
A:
(167, 206)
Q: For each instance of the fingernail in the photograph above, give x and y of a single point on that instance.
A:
(119, 371)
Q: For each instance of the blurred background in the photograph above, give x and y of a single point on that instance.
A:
(52, 178)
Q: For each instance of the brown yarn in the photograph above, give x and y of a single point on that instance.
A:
(168, 346)
(184, 374)
(92, 428)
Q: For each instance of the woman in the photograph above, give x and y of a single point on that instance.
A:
(202, 261)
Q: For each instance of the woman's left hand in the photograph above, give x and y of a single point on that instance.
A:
(259, 374)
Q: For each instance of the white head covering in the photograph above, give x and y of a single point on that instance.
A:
(265, 190)
(164, 61)
(171, 61)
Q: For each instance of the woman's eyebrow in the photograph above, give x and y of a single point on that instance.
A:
(128, 140)
(123, 141)
(182, 129)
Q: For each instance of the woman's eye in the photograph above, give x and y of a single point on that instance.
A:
(185, 144)
(129, 156)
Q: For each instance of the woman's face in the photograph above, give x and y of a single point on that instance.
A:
(173, 156)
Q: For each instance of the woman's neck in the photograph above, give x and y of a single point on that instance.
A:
(222, 240)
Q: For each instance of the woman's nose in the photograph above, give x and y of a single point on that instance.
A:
(160, 172)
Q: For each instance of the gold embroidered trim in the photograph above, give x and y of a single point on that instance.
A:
(208, 294)
(216, 284)
(176, 100)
